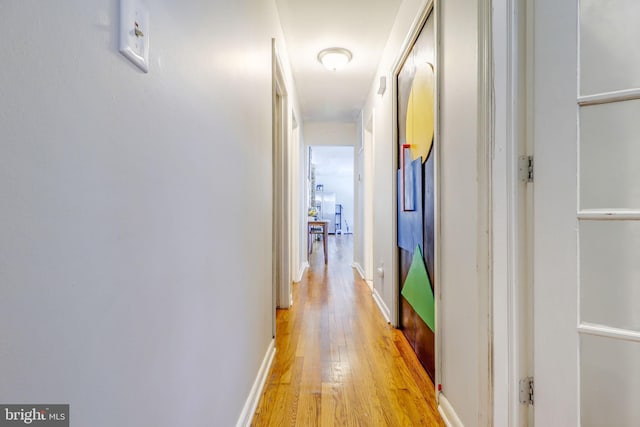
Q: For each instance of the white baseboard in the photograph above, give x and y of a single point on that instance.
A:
(447, 412)
(249, 409)
(382, 306)
(370, 284)
(303, 267)
(359, 269)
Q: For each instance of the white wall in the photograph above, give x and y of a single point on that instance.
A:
(342, 185)
(131, 205)
(461, 373)
(330, 133)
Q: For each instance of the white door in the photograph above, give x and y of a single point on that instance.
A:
(586, 134)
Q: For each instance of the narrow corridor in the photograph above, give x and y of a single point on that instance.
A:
(338, 363)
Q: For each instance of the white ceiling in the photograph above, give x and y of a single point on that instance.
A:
(362, 26)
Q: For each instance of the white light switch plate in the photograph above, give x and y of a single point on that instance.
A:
(134, 32)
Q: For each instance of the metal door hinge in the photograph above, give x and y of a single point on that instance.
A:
(526, 391)
(525, 168)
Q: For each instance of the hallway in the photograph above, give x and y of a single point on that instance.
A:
(337, 361)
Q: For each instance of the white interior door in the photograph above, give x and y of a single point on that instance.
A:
(586, 127)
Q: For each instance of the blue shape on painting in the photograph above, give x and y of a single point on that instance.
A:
(410, 228)
(408, 183)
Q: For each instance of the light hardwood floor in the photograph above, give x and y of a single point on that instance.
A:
(338, 363)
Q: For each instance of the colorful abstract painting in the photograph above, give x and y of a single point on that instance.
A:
(416, 186)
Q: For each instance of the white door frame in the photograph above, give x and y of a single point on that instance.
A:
(363, 191)
(512, 207)
(281, 274)
(367, 199)
(485, 214)
(297, 214)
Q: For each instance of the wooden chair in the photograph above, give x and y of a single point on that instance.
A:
(316, 228)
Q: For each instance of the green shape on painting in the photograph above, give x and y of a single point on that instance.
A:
(417, 290)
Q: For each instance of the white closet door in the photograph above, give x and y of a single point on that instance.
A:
(586, 112)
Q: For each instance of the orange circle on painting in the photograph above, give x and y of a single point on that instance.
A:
(420, 118)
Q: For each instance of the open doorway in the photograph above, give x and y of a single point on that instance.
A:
(331, 187)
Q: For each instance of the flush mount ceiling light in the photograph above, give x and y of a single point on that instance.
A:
(334, 58)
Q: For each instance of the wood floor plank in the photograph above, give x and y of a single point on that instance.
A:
(338, 363)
